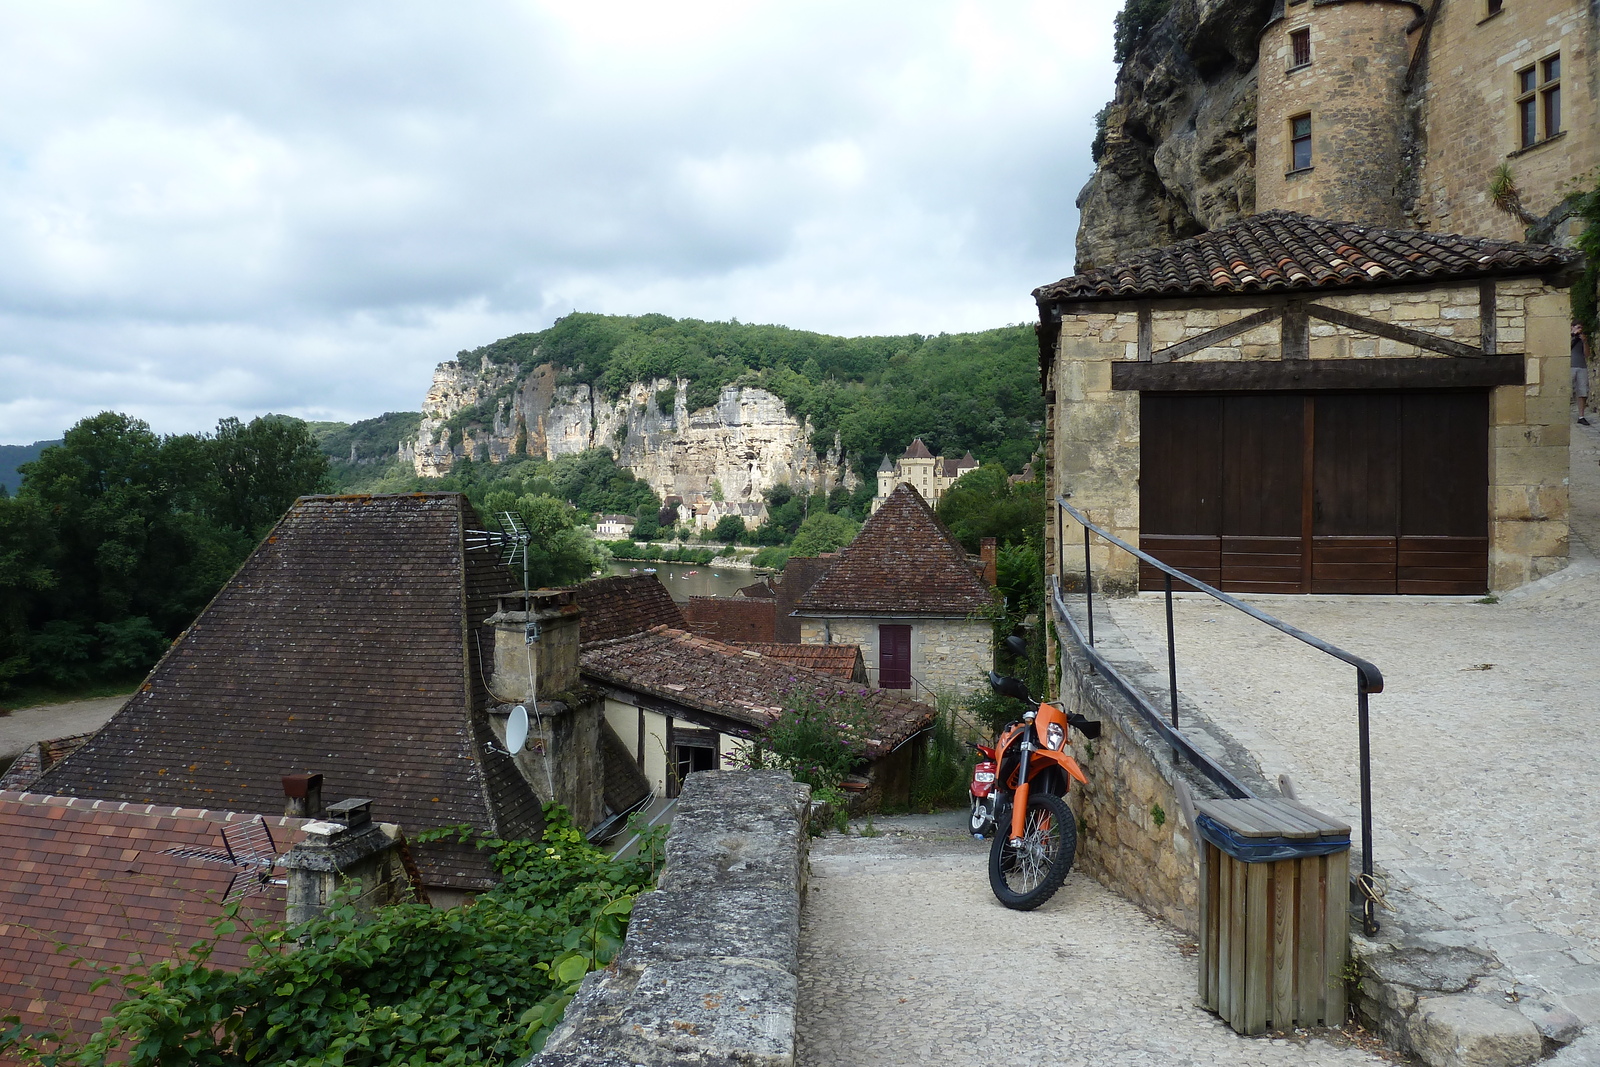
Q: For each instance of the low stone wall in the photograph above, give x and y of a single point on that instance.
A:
(709, 973)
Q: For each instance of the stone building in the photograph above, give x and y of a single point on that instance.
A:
(1392, 113)
(931, 474)
(1294, 405)
(909, 595)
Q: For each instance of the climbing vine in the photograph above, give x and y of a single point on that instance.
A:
(482, 983)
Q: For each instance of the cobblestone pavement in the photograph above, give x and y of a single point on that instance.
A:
(23, 726)
(1486, 756)
(906, 959)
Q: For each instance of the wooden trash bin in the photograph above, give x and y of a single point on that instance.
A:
(1274, 919)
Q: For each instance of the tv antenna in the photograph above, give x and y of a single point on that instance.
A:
(249, 849)
(511, 539)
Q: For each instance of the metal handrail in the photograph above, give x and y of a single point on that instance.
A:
(1369, 679)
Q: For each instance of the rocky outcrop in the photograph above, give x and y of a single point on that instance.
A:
(1180, 141)
(716, 458)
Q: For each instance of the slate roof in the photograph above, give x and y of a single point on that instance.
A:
(903, 562)
(1286, 251)
(40, 757)
(93, 874)
(348, 644)
(917, 450)
(842, 660)
(744, 686)
(624, 604)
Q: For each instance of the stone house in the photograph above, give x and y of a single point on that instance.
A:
(352, 643)
(931, 474)
(613, 527)
(684, 703)
(908, 594)
(1294, 405)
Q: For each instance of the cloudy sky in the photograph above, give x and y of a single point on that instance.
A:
(225, 209)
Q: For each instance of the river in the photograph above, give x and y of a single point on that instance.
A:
(684, 580)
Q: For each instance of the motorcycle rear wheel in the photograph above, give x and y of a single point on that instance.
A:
(1025, 876)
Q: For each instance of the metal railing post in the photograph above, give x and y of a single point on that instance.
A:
(1088, 584)
(1369, 921)
(1172, 654)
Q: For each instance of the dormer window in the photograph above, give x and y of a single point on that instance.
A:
(1300, 43)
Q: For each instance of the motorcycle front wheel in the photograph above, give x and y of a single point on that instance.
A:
(1028, 874)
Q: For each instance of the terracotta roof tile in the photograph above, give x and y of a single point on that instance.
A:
(744, 686)
(842, 660)
(1284, 250)
(624, 604)
(107, 893)
(903, 562)
(347, 644)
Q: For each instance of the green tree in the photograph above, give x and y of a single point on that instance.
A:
(730, 530)
(27, 555)
(646, 526)
(257, 471)
(823, 532)
(561, 551)
(983, 503)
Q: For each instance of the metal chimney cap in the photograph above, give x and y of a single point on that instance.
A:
(356, 811)
(299, 785)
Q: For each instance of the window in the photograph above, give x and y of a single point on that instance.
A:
(1539, 101)
(1300, 40)
(1300, 143)
(1494, 8)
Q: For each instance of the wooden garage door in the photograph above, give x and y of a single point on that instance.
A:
(1330, 492)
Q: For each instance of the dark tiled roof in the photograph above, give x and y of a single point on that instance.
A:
(738, 620)
(918, 450)
(348, 644)
(1283, 250)
(746, 687)
(761, 590)
(93, 875)
(799, 575)
(903, 562)
(624, 604)
(842, 660)
(40, 757)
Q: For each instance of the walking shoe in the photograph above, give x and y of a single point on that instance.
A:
(1582, 420)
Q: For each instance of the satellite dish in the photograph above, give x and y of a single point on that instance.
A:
(517, 729)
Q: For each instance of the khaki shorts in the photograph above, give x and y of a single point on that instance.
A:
(1580, 381)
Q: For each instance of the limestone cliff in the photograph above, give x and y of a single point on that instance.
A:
(1180, 136)
(745, 443)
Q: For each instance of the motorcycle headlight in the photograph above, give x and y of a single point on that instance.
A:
(1054, 735)
(983, 776)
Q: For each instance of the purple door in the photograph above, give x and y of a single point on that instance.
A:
(894, 657)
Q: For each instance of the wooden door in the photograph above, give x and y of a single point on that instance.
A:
(1444, 494)
(1180, 486)
(1264, 447)
(894, 657)
(1355, 508)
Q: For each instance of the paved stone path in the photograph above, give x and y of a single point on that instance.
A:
(24, 726)
(1486, 741)
(907, 959)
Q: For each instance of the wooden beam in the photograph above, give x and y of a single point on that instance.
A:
(1212, 337)
(1144, 331)
(1313, 374)
(1406, 335)
(672, 709)
(1488, 335)
(1296, 333)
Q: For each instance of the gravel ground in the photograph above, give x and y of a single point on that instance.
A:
(24, 726)
(1486, 760)
(906, 959)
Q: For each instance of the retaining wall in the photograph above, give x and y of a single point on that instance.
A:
(709, 972)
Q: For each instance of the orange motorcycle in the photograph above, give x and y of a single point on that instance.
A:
(1017, 792)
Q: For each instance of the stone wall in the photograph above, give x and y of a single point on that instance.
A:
(947, 655)
(1095, 429)
(709, 971)
(1352, 92)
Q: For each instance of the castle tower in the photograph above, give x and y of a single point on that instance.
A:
(1331, 114)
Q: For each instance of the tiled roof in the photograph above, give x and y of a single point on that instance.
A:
(918, 450)
(624, 604)
(799, 575)
(40, 757)
(94, 876)
(746, 687)
(843, 660)
(738, 620)
(1283, 250)
(903, 562)
(348, 645)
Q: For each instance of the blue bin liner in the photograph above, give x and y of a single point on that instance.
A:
(1267, 849)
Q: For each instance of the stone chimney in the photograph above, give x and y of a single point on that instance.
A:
(535, 633)
(346, 849)
(988, 551)
(305, 795)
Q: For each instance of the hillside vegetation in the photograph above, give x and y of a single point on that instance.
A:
(975, 392)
